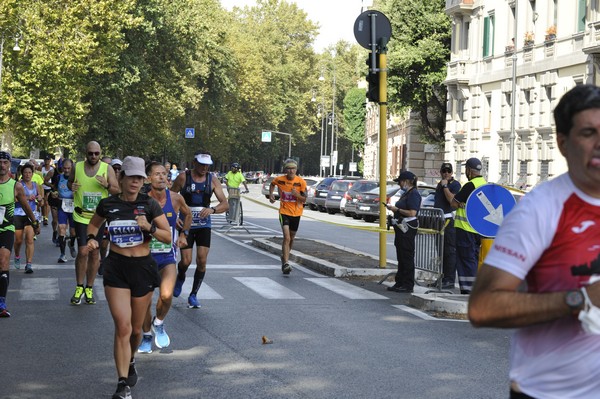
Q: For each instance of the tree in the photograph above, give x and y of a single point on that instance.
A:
(417, 56)
(354, 118)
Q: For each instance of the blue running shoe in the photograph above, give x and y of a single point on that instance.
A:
(17, 262)
(146, 344)
(193, 302)
(3, 311)
(161, 339)
(178, 287)
(28, 268)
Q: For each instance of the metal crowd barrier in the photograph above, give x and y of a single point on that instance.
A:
(429, 246)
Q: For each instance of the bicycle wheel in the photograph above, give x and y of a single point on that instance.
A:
(241, 214)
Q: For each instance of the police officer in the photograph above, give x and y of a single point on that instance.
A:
(445, 191)
(468, 240)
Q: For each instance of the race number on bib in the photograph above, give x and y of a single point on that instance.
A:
(197, 221)
(125, 233)
(91, 200)
(157, 247)
(67, 205)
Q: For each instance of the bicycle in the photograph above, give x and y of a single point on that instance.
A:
(235, 214)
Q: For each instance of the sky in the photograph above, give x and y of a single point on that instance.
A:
(334, 17)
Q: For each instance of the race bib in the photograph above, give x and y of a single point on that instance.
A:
(197, 221)
(67, 205)
(158, 247)
(91, 200)
(125, 233)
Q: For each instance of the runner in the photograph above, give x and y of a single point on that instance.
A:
(23, 226)
(172, 205)
(292, 196)
(131, 274)
(64, 200)
(10, 190)
(46, 168)
(91, 181)
(197, 186)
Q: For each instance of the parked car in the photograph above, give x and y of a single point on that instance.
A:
(265, 188)
(310, 194)
(255, 177)
(353, 195)
(427, 197)
(367, 207)
(321, 192)
(335, 194)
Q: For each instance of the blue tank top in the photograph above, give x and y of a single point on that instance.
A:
(19, 211)
(63, 189)
(197, 195)
(156, 247)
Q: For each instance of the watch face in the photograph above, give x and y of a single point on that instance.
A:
(574, 299)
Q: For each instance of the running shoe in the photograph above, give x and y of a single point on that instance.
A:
(54, 238)
(76, 298)
(45, 221)
(286, 268)
(3, 311)
(146, 344)
(123, 391)
(28, 268)
(17, 262)
(193, 302)
(132, 376)
(89, 298)
(72, 249)
(161, 339)
(178, 287)
(62, 259)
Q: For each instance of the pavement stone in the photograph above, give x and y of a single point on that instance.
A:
(338, 261)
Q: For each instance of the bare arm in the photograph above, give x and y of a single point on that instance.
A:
(178, 183)
(113, 182)
(496, 301)
(223, 205)
(181, 207)
(92, 229)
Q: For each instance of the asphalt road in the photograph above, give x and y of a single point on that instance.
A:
(332, 338)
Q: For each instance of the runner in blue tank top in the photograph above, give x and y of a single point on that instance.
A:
(177, 212)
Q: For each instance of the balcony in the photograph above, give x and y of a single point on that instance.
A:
(592, 45)
(459, 6)
(458, 73)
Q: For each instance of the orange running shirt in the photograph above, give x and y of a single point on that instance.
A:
(288, 203)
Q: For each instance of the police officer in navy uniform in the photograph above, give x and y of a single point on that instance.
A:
(445, 191)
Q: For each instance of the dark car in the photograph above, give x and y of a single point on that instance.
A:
(321, 192)
(368, 206)
(353, 195)
(336, 192)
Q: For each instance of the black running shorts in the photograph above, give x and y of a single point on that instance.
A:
(200, 237)
(138, 274)
(292, 221)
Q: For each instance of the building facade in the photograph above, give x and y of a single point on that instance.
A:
(556, 46)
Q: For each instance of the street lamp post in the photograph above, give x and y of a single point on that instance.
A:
(15, 48)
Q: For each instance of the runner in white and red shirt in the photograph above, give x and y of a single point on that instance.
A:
(544, 253)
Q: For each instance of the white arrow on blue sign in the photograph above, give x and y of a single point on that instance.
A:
(190, 132)
(486, 208)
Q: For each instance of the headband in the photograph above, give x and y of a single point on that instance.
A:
(5, 155)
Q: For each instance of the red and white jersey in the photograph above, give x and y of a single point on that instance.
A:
(553, 229)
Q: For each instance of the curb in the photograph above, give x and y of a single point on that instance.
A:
(320, 265)
(434, 302)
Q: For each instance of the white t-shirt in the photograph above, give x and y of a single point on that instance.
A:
(552, 229)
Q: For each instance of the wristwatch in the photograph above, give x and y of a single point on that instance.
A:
(153, 229)
(214, 209)
(445, 186)
(185, 232)
(575, 300)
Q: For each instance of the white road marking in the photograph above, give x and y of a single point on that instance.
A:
(424, 315)
(268, 288)
(345, 289)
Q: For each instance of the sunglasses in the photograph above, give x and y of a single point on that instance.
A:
(92, 153)
(446, 171)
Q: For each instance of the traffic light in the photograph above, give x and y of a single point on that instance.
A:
(373, 79)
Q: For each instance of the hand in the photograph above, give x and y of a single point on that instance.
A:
(444, 182)
(102, 181)
(271, 198)
(179, 224)
(92, 244)
(142, 221)
(75, 187)
(182, 241)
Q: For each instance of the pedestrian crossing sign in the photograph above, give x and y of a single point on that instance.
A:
(266, 137)
(190, 132)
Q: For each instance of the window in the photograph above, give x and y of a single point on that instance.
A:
(544, 170)
(488, 36)
(465, 37)
(487, 121)
(581, 14)
(503, 172)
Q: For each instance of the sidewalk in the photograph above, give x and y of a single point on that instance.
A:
(337, 261)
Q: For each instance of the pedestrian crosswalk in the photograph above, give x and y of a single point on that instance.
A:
(44, 288)
(221, 226)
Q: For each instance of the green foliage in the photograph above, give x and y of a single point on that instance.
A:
(417, 58)
(354, 117)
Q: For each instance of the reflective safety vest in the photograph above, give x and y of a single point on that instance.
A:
(460, 220)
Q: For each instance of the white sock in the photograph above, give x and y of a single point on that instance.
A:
(157, 321)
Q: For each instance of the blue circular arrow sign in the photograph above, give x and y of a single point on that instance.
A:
(486, 208)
